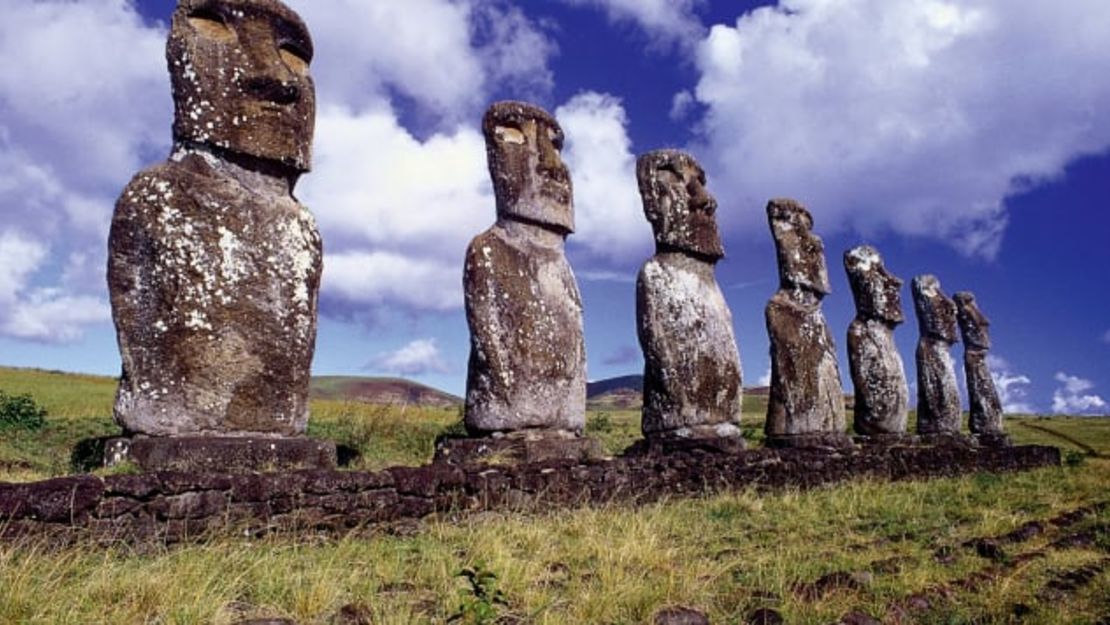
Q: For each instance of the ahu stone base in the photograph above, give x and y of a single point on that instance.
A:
(508, 449)
(171, 507)
(817, 440)
(200, 454)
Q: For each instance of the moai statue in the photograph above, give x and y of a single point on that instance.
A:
(938, 399)
(882, 396)
(691, 364)
(985, 421)
(526, 380)
(214, 266)
(806, 406)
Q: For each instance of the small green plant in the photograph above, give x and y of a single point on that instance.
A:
(21, 412)
(601, 423)
(1074, 458)
(481, 601)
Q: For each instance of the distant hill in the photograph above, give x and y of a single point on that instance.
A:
(381, 391)
(626, 393)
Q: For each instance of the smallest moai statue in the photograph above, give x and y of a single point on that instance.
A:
(938, 398)
(882, 397)
(985, 421)
(806, 404)
(691, 364)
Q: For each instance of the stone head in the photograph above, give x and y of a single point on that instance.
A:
(801, 254)
(877, 292)
(974, 325)
(681, 212)
(530, 180)
(936, 312)
(239, 70)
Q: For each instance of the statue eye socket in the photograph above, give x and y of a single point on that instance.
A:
(294, 58)
(556, 138)
(211, 24)
(508, 134)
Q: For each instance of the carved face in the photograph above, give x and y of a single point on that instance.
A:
(936, 312)
(974, 325)
(801, 254)
(681, 211)
(240, 78)
(530, 181)
(877, 292)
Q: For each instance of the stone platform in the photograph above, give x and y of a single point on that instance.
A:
(171, 507)
(488, 450)
(221, 454)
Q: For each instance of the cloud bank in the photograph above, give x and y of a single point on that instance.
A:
(1012, 387)
(1072, 398)
(914, 116)
(419, 357)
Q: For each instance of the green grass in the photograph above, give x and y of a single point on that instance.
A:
(725, 554)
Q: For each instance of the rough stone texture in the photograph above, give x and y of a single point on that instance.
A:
(806, 403)
(527, 365)
(938, 398)
(175, 507)
(692, 376)
(225, 455)
(985, 419)
(214, 266)
(460, 451)
(881, 393)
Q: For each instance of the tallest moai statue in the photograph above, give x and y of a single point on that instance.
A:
(214, 266)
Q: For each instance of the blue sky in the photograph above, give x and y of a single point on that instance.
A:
(967, 139)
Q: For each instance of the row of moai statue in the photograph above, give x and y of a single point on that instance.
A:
(214, 271)
(526, 376)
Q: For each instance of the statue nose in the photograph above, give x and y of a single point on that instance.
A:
(272, 89)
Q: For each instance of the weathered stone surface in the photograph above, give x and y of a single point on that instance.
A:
(61, 500)
(938, 398)
(527, 365)
(692, 376)
(881, 393)
(985, 406)
(462, 451)
(806, 404)
(229, 454)
(214, 267)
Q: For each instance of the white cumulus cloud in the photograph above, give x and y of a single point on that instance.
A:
(84, 103)
(609, 215)
(1012, 387)
(396, 210)
(1072, 397)
(419, 357)
(664, 21)
(39, 314)
(444, 54)
(916, 116)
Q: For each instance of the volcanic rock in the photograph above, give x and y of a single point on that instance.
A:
(985, 419)
(214, 266)
(691, 363)
(938, 399)
(527, 369)
(881, 394)
(806, 404)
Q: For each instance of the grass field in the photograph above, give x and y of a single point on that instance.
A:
(813, 556)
